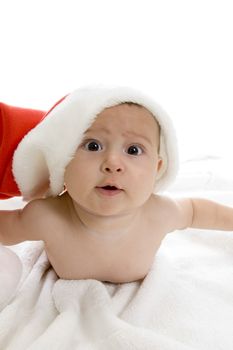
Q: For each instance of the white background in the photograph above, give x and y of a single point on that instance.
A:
(180, 51)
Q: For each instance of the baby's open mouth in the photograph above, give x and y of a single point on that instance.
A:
(109, 190)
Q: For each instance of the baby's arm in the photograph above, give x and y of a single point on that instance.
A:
(203, 214)
(20, 225)
(208, 214)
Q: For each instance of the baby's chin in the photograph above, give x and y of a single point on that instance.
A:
(104, 210)
(109, 207)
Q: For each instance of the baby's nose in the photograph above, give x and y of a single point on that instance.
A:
(112, 169)
(112, 164)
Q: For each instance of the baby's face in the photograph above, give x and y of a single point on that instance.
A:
(120, 149)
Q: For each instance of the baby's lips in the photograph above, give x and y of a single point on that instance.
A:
(110, 186)
(108, 190)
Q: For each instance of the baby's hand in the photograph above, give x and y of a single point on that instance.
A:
(10, 274)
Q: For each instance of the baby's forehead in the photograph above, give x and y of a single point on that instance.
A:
(126, 113)
(128, 120)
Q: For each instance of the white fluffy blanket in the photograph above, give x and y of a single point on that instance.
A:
(185, 302)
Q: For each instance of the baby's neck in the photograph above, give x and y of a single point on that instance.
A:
(113, 226)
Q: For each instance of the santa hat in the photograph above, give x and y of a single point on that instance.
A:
(42, 155)
(15, 122)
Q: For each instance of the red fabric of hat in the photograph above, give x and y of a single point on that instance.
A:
(15, 123)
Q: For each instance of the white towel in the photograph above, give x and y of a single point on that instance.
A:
(184, 303)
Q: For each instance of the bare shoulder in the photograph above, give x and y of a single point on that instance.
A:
(174, 213)
(24, 224)
(40, 217)
(47, 207)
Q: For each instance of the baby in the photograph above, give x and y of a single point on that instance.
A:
(108, 223)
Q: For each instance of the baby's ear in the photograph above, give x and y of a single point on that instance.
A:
(159, 164)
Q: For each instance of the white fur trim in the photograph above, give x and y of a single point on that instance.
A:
(45, 151)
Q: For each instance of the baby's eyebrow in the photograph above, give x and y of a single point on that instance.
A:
(125, 133)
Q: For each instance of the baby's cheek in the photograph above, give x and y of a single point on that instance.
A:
(148, 173)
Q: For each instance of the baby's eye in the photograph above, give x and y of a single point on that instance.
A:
(92, 146)
(134, 150)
